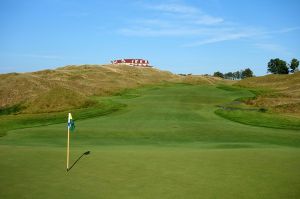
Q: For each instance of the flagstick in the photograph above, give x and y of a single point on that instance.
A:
(68, 149)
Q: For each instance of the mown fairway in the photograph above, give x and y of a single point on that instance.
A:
(166, 143)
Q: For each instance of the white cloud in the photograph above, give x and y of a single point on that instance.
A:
(173, 20)
(220, 38)
(240, 33)
(268, 46)
(188, 14)
(284, 30)
(167, 31)
(159, 23)
(229, 34)
(174, 8)
(274, 48)
(181, 20)
(208, 20)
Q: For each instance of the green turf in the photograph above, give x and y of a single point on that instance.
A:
(9, 122)
(166, 142)
(150, 172)
(257, 118)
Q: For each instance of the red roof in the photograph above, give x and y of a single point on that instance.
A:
(133, 61)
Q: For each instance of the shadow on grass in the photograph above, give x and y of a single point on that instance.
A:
(85, 153)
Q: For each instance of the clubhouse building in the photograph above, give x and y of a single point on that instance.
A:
(132, 62)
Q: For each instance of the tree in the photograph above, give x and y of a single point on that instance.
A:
(247, 73)
(278, 66)
(294, 65)
(218, 74)
(228, 75)
(237, 75)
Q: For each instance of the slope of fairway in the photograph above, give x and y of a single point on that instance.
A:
(166, 142)
(154, 115)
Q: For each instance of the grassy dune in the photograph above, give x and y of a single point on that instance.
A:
(275, 102)
(166, 142)
(51, 90)
(281, 92)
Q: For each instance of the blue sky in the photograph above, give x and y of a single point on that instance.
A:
(182, 36)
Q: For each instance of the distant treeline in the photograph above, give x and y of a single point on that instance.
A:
(241, 74)
(275, 66)
(278, 66)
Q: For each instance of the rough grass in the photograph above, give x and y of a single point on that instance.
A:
(242, 110)
(56, 100)
(275, 92)
(10, 122)
(11, 110)
(72, 86)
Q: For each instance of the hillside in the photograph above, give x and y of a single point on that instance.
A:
(72, 86)
(280, 93)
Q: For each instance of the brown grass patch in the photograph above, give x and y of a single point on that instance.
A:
(284, 96)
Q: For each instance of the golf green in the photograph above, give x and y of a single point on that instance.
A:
(167, 142)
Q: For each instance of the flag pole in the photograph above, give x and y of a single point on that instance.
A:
(68, 148)
(71, 126)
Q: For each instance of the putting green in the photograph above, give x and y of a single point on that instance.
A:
(166, 143)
